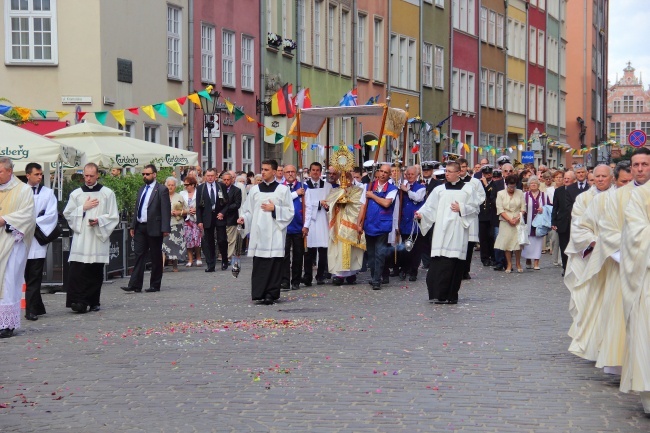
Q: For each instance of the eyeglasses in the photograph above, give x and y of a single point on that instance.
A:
(147, 174)
(187, 184)
(451, 171)
(512, 184)
(507, 171)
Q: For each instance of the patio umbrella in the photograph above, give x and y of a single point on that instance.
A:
(110, 147)
(5, 118)
(23, 147)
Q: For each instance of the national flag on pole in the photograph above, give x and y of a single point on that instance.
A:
(281, 101)
(303, 99)
(373, 100)
(349, 99)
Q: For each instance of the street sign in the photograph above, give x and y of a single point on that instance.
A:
(637, 138)
(215, 122)
(528, 157)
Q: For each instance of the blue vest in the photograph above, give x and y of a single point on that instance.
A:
(409, 207)
(379, 219)
(296, 224)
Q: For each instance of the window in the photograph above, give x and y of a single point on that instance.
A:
(483, 89)
(629, 127)
(31, 32)
(512, 47)
(427, 65)
(394, 61)
(628, 102)
(463, 90)
(499, 142)
(532, 106)
(492, 78)
(483, 24)
(174, 43)
(302, 31)
(617, 106)
(542, 4)
(247, 153)
(463, 15)
(540, 47)
(228, 148)
(331, 28)
(207, 54)
(500, 91)
(500, 31)
(403, 63)
(317, 32)
(412, 76)
(532, 47)
(345, 64)
(510, 92)
(615, 128)
(151, 133)
(645, 127)
(521, 35)
(285, 15)
(128, 127)
(440, 3)
(175, 137)
(247, 59)
(455, 90)
(540, 104)
(471, 91)
(563, 59)
(639, 105)
(562, 111)
(378, 51)
(439, 77)
(492, 27)
(361, 45)
(228, 58)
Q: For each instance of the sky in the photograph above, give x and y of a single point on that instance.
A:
(629, 34)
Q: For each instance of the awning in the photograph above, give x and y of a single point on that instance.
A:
(312, 120)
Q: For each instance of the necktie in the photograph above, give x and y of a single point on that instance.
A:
(581, 185)
(34, 189)
(144, 195)
(212, 199)
(290, 186)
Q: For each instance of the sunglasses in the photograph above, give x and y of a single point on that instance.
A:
(187, 184)
(147, 174)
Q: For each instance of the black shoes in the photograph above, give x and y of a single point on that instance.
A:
(284, 287)
(499, 268)
(95, 308)
(152, 289)
(209, 270)
(79, 308)
(466, 276)
(320, 282)
(295, 287)
(376, 286)
(6, 333)
(439, 301)
(385, 280)
(31, 316)
(306, 282)
(268, 300)
(337, 281)
(224, 266)
(413, 278)
(131, 289)
(352, 279)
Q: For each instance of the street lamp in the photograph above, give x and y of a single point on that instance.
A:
(210, 119)
(416, 127)
(543, 138)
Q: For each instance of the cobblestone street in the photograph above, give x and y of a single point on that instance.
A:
(200, 356)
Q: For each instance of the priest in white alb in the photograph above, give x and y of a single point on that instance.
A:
(92, 215)
(266, 214)
(315, 226)
(16, 233)
(449, 211)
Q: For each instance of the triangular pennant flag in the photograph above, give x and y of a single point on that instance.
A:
(148, 109)
(205, 94)
(287, 142)
(80, 115)
(62, 114)
(357, 146)
(119, 116)
(230, 106)
(101, 116)
(181, 100)
(249, 118)
(23, 112)
(314, 146)
(194, 97)
(303, 145)
(4, 109)
(161, 109)
(238, 114)
(134, 110)
(296, 145)
(175, 106)
(480, 150)
(493, 151)
(466, 147)
(259, 125)
(268, 131)
(335, 148)
(43, 113)
(278, 137)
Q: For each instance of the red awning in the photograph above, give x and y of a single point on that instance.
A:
(44, 127)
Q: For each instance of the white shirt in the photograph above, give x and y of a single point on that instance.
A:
(147, 196)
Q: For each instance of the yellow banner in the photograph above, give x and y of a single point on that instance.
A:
(119, 116)
(174, 106)
(23, 112)
(194, 97)
(287, 143)
(149, 110)
(230, 106)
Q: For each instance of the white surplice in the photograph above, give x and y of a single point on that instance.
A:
(451, 229)
(267, 234)
(91, 244)
(46, 213)
(479, 196)
(316, 216)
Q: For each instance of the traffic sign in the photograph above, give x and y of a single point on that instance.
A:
(527, 157)
(637, 138)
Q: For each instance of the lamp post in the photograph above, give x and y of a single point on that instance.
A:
(543, 138)
(416, 127)
(210, 120)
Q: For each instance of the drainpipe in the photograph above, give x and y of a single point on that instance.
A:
(477, 103)
(527, 88)
(262, 78)
(505, 97)
(585, 53)
(450, 74)
(190, 71)
(355, 14)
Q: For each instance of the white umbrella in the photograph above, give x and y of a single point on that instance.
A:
(24, 146)
(5, 118)
(109, 147)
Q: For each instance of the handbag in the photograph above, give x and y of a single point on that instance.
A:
(522, 233)
(42, 239)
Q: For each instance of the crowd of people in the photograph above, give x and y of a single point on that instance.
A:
(391, 221)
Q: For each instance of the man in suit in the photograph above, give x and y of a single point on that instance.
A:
(488, 207)
(580, 185)
(499, 184)
(561, 215)
(212, 200)
(479, 173)
(150, 223)
(231, 212)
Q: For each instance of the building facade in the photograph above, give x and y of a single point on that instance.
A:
(628, 108)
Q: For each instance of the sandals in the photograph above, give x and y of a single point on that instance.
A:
(188, 264)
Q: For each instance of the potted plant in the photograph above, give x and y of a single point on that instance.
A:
(289, 45)
(274, 40)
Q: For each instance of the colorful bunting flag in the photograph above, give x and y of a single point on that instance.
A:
(101, 116)
(161, 109)
(43, 113)
(230, 106)
(148, 109)
(134, 110)
(62, 114)
(23, 112)
(194, 97)
(238, 114)
(181, 100)
(119, 116)
(175, 106)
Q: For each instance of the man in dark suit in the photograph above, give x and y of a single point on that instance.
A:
(579, 186)
(212, 201)
(231, 213)
(487, 209)
(561, 215)
(150, 223)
